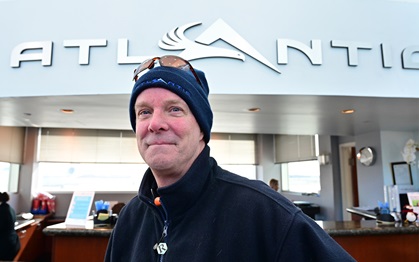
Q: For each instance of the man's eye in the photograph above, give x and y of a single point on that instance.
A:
(175, 109)
(143, 112)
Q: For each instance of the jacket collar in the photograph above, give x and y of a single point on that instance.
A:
(182, 195)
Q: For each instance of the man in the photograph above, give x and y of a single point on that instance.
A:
(9, 240)
(188, 208)
(273, 183)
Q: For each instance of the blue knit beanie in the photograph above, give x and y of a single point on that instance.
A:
(183, 84)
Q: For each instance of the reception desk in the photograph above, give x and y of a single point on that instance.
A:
(32, 240)
(78, 244)
(365, 240)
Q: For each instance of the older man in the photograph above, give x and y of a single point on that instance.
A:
(187, 207)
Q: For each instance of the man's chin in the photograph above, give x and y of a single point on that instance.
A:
(159, 155)
(160, 165)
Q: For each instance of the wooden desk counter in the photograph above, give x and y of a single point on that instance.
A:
(33, 243)
(78, 244)
(366, 240)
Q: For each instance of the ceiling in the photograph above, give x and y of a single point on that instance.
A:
(279, 114)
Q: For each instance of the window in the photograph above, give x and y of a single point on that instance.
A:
(301, 177)
(108, 160)
(235, 153)
(85, 159)
(68, 177)
(88, 146)
(300, 169)
(109, 177)
(290, 148)
(12, 140)
(233, 149)
(248, 171)
(4, 176)
(9, 175)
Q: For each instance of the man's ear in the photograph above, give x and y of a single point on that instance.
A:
(202, 136)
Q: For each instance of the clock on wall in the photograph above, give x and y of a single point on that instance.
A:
(366, 156)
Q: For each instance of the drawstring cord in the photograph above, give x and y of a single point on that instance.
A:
(161, 246)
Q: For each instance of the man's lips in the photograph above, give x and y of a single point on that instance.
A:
(160, 143)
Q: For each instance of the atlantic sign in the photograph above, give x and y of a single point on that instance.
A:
(201, 47)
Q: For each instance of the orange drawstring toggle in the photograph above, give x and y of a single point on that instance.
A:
(157, 201)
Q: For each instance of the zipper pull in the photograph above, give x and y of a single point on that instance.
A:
(160, 246)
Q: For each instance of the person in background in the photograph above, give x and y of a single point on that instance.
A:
(190, 209)
(273, 183)
(9, 240)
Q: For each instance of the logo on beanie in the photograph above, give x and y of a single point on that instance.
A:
(168, 84)
(200, 48)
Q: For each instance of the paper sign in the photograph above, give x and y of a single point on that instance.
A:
(413, 199)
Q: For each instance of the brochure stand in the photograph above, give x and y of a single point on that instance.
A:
(79, 208)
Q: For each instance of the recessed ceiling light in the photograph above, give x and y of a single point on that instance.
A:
(67, 111)
(348, 111)
(254, 109)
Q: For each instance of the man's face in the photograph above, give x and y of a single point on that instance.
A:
(169, 138)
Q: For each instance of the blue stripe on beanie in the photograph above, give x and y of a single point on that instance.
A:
(182, 83)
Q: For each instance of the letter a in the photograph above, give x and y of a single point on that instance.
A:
(44, 56)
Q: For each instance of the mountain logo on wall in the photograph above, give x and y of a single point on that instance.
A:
(176, 40)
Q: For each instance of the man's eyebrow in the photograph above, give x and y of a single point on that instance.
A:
(140, 104)
(166, 102)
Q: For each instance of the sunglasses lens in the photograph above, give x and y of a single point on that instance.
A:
(148, 64)
(173, 61)
(168, 61)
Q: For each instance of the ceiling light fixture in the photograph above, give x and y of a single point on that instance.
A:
(67, 111)
(254, 109)
(348, 111)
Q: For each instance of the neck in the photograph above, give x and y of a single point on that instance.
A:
(167, 177)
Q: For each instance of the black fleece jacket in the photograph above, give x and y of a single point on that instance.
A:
(212, 215)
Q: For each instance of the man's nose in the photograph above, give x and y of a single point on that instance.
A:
(158, 122)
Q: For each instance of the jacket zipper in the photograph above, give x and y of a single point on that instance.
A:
(161, 246)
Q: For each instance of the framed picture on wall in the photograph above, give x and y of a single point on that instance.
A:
(402, 174)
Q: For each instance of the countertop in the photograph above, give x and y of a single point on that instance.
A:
(62, 229)
(366, 227)
(363, 212)
(21, 223)
(333, 228)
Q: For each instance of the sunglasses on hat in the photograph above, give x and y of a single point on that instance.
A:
(167, 61)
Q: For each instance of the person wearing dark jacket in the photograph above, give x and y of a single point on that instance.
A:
(190, 209)
(9, 240)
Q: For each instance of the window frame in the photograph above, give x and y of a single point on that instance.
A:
(286, 178)
(238, 151)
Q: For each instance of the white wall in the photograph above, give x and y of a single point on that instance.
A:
(392, 144)
(253, 29)
(370, 178)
